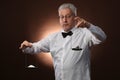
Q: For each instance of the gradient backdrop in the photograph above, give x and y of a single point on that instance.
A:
(33, 20)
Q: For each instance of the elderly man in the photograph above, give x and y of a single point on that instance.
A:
(70, 48)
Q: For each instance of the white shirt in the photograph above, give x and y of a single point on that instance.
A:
(70, 64)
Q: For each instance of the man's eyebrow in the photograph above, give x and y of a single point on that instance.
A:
(66, 15)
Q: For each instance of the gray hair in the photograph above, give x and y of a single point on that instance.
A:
(70, 6)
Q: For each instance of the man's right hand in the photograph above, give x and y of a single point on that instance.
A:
(25, 44)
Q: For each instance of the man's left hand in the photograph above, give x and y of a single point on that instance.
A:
(80, 22)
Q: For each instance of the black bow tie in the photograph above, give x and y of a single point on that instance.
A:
(66, 34)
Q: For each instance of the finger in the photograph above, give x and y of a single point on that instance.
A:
(83, 23)
(23, 44)
(80, 23)
(78, 19)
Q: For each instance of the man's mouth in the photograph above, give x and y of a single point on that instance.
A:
(65, 24)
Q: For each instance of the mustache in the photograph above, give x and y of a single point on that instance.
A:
(65, 23)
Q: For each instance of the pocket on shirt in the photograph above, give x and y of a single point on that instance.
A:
(76, 48)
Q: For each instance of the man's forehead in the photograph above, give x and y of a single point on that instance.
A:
(65, 11)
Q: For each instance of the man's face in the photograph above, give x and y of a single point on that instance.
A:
(66, 19)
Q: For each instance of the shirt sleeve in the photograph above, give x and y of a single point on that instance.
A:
(37, 47)
(97, 35)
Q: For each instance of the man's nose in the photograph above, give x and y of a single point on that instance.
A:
(65, 19)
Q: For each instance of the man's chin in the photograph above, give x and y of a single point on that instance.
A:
(66, 28)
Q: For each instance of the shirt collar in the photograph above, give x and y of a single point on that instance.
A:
(73, 29)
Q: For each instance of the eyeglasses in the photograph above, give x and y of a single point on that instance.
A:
(67, 16)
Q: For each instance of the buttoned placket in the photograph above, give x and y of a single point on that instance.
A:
(66, 40)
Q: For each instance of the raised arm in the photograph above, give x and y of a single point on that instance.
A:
(98, 32)
(97, 35)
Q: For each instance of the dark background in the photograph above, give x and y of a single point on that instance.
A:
(17, 15)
